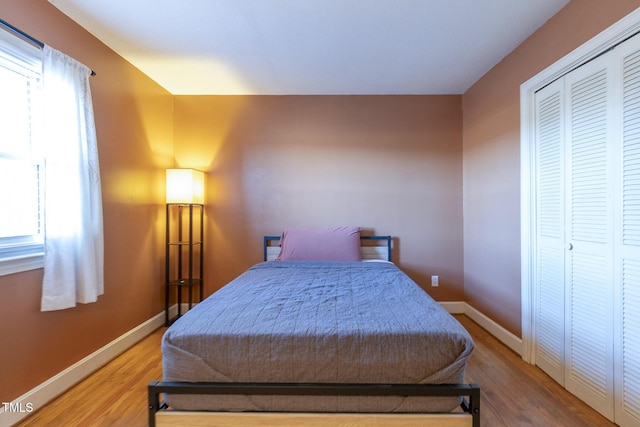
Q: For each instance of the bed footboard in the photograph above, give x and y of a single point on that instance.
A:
(469, 392)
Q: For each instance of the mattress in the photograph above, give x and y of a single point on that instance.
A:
(326, 322)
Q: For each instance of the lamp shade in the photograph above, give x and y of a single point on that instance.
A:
(185, 186)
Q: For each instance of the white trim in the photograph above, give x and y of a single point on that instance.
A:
(610, 37)
(63, 381)
(500, 333)
(20, 264)
(453, 307)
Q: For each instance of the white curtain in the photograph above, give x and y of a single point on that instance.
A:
(74, 241)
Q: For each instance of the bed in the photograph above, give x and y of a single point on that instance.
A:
(346, 341)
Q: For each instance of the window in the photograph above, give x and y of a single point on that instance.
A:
(21, 160)
(46, 94)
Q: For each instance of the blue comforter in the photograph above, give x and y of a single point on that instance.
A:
(360, 322)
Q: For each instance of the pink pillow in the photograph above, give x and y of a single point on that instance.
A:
(320, 244)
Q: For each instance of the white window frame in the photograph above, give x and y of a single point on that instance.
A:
(22, 253)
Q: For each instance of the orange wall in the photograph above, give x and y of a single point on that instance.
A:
(134, 127)
(492, 156)
(390, 164)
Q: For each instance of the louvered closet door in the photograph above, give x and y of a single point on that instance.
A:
(589, 218)
(549, 275)
(587, 275)
(627, 249)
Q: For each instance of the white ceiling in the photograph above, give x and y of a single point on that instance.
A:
(312, 46)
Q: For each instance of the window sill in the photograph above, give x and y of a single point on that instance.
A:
(21, 263)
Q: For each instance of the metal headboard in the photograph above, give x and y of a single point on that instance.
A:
(367, 251)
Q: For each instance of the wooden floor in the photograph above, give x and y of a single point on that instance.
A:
(513, 392)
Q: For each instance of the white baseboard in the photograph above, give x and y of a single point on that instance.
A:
(20, 408)
(504, 336)
(453, 307)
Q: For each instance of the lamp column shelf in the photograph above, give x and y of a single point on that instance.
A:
(184, 253)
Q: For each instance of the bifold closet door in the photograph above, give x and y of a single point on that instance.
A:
(550, 249)
(627, 248)
(574, 269)
(587, 267)
(590, 181)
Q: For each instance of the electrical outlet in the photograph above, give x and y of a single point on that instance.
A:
(434, 281)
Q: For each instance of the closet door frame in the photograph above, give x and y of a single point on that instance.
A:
(610, 37)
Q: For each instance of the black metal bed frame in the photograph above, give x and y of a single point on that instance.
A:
(470, 405)
(470, 393)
